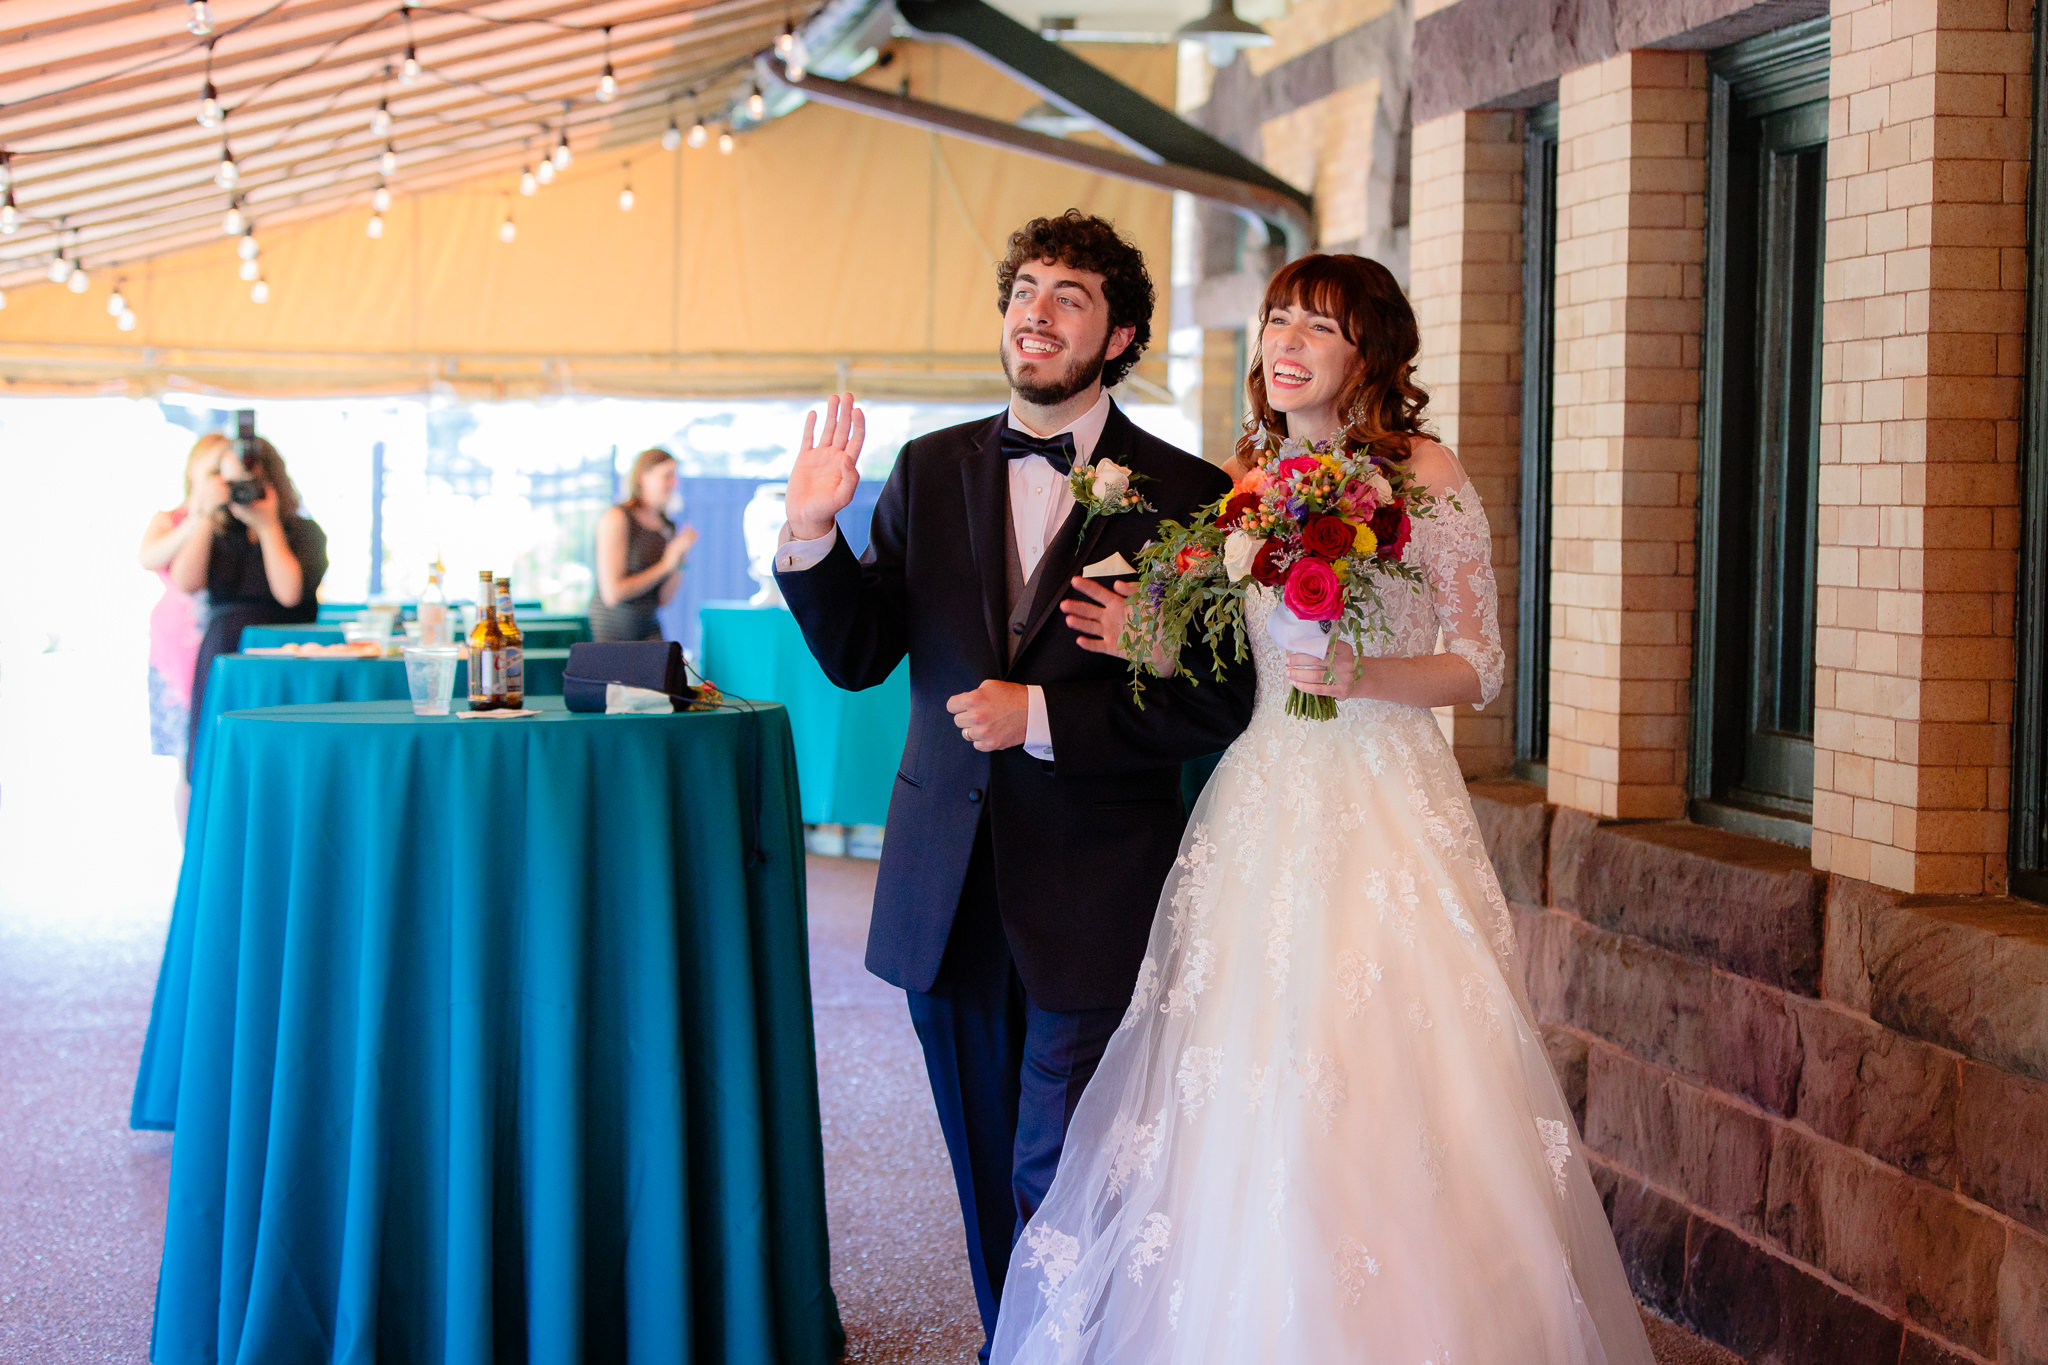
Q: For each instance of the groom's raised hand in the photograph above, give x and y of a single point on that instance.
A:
(827, 471)
(993, 716)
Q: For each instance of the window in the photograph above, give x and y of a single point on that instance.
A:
(1752, 749)
(1539, 346)
(2029, 843)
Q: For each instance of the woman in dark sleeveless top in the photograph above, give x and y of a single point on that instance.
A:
(640, 554)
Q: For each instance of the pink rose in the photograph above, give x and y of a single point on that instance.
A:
(1300, 464)
(1312, 591)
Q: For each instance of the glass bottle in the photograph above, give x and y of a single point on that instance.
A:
(486, 644)
(433, 610)
(511, 652)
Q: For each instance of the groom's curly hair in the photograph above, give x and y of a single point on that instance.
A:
(1084, 242)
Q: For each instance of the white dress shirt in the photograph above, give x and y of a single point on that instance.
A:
(1039, 503)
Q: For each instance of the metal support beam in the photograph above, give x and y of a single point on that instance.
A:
(1149, 131)
(1286, 214)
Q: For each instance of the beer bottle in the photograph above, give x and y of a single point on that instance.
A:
(486, 645)
(512, 654)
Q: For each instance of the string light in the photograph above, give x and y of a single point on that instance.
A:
(210, 112)
(757, 107)
(375, 227)
(785, 41)
(671, 136)
(126, 321)
(247, 248)
(626, 192)
(725, 144)
(795, 68)
(250, 270)
(387, 161)
(409, 70)
(259, 292)
(381, 200)
(117, 302)
(79, 281)
(380, 122)
(227, 173)
(232, 222)
(699, 135)
(528, 184)
(6, 172)
(198, 19)
(507, 230)
(60, 269)
(607, 84)
(563, 156)
(545, 172)
(3, 298)
(10, 216)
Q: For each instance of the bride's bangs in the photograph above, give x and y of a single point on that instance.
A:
(1321, 285)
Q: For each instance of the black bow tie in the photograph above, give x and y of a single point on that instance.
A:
(1057, 451)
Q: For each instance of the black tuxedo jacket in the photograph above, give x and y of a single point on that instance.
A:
(1082, 844)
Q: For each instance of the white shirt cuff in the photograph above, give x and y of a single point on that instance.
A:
(794, 556)
(1037, 729)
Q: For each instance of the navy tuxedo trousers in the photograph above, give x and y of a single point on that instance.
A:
(1005, 1075)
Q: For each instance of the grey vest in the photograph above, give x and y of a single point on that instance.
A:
(1021, 591)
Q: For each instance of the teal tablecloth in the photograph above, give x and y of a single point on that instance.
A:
(498, 1046)
(349, 611)
(546, 632)
(848, 744)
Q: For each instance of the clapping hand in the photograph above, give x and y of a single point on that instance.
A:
(827, 472)
(678, 548)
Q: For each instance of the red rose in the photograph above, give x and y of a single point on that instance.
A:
(1189, 557)
(1313, 592)
(1327, 536)
(1391, 526)
(1300, 464)
(1266, 564)
(1234, 510)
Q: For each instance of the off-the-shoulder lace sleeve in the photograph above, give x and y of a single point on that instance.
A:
(1456, 552)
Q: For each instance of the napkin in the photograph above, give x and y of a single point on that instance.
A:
(622, 699)
(1290, 632)
(493, 715)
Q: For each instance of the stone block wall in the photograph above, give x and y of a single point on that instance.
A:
(1817, 1108)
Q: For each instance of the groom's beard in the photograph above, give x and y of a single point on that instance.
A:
(1080, 372)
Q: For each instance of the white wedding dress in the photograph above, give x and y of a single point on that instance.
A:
(1326, 1130)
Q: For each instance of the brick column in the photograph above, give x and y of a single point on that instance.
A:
(1923, 335)
(1465, 263)
(1630, 237)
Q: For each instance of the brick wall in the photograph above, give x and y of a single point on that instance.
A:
(1465, 268)
(1816, 1108)
(1631, 217)
(1918, 517)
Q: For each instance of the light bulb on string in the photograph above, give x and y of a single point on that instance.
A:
(671, 136)
(10, 216)
(259, 292)
(796, 67)
(409, 69)
(607, 84)
(381, 200)
(198, 19)
(529, 184)
(757, 106)
(545, 172)
(3, 298)
(562, 155)
(247, 248)
(79, 281)
(387, 161)
(375, 227)
(250, 270)
(232, 222)
(699, 134)
(626, 196)
(725, 144)
(6, 172)
(785, 41)
(507, 230)
(117, 302)
(125, 320)
(210, 112)
(227, 172)
(60, 268)
(380, 122)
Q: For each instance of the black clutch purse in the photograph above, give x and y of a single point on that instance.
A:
(656, 665)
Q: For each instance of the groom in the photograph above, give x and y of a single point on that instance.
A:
(1037, 811)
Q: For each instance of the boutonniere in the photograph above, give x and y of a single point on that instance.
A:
(1103, 488)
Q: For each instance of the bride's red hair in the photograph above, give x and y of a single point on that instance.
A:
(1382, 404)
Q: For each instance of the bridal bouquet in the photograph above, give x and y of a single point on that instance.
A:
(1322, 524)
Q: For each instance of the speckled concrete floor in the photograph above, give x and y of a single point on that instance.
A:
(86, 861)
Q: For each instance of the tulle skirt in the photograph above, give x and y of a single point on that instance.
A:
(1326, 1130)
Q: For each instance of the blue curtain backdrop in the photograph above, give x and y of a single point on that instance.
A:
(718, 566)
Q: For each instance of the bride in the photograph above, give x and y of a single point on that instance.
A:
(1326, 1129)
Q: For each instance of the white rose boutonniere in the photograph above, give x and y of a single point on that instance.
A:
(1103, 488)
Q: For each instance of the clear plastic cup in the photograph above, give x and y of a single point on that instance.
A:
(430, 675)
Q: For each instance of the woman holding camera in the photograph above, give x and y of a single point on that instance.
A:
(262, 564)
(178, 619)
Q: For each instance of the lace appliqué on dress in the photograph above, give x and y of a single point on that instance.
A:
(1201, 1068)
(1150, 1248)
(1456, 551)
(1355, 1265)
(1355, 979)
(1133, 1148)
(1557, 1149)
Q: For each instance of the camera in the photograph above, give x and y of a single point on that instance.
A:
(245, 491)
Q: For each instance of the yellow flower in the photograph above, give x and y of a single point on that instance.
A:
(1363, 541)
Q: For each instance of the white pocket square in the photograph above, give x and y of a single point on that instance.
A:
(1112, 567)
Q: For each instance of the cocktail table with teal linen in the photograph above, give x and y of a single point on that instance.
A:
(848, 744)
(497, 1045)
(545, 632)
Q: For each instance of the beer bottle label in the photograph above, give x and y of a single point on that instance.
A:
(493, 673)
(515, 668)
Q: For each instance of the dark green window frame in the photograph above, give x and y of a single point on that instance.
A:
(1539, 368)
(1751, 760)
(2028, 845)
